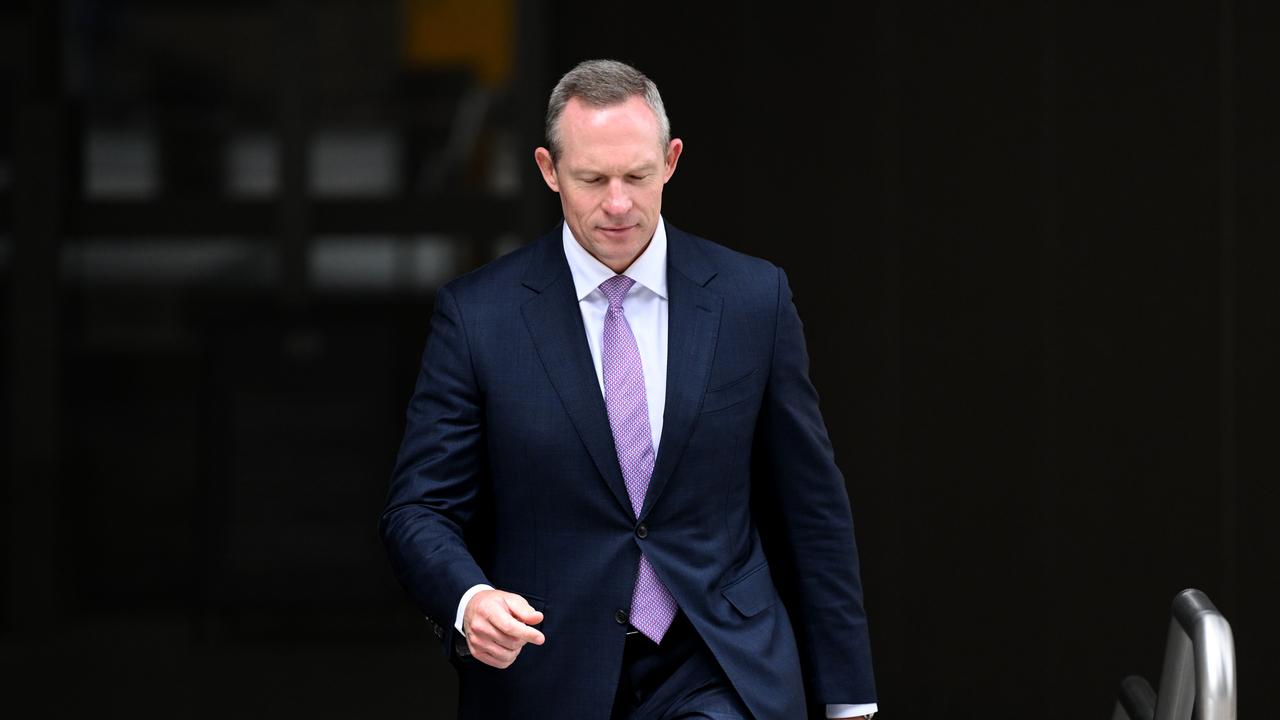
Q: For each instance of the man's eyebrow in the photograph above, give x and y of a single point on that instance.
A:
(637, 170)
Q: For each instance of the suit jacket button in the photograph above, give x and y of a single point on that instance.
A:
(642, 532)
(620, 617)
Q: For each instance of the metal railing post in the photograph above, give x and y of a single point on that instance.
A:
(1198, 680)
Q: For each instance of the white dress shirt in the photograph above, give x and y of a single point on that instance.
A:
(646, 309)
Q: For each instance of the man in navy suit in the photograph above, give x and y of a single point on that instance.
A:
(616, 497)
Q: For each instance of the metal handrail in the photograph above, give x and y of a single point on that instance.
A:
(1198, 680)
(1137, 700)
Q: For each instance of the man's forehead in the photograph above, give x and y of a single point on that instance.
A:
(615, 139)
(581, 165)
(632, 115)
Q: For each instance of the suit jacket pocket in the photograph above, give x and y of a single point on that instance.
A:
(752, 592)
(729, 394)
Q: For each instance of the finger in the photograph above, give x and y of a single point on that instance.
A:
(491, 660)
(489, 634)
(499, 642)
(507, 625)
(522, 610)
(519, 631)
(500, 617)
(499, 657)
(533, 636)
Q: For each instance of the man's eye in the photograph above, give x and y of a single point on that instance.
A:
(591, 181)
(638, 178)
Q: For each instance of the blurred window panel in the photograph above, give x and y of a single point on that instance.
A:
(252, 165)
(433, 261)
(382, 263)
(166, 261)
(355, 163)
(121, 163)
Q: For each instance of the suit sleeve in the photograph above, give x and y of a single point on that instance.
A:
(803, 513)
(439, 473)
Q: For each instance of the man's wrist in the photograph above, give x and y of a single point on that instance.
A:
(462, 604)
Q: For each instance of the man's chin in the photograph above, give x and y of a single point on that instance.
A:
(617, 252)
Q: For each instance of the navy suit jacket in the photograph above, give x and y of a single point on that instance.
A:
(507, 475)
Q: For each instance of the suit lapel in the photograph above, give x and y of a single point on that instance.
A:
(555, 324)
(693, 324)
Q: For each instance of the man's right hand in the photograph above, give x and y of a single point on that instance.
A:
(497, 626)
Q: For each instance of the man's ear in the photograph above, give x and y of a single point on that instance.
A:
(542, 156)
(673, 157)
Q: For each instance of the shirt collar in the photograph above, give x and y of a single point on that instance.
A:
(648, 270)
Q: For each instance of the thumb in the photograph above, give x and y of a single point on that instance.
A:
(522, 610)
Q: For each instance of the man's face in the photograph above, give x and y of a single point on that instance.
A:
(610, 175)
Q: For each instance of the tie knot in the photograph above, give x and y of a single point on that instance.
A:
(615, 288)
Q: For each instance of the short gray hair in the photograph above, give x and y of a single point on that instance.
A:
(601, 83)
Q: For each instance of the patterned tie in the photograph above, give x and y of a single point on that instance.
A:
(652, 607)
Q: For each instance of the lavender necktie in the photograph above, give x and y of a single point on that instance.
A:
(652, 607)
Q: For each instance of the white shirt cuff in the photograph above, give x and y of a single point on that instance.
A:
(466, 598)
(844, 711)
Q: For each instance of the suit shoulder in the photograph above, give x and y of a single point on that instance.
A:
(737, 273)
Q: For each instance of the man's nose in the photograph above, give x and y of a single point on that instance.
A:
(618, 202)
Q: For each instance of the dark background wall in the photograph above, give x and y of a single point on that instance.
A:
(1033, 245)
